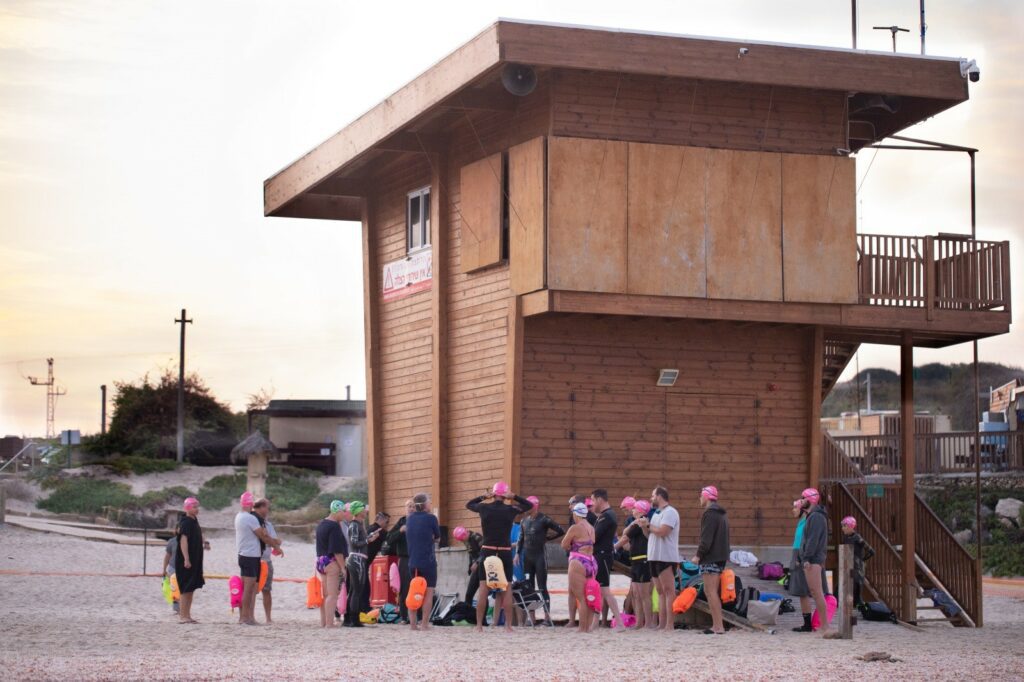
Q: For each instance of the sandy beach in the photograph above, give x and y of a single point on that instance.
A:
(119, 628)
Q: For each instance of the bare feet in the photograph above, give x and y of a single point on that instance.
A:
(479, 628)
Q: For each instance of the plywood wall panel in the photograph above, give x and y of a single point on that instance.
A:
(819, 228)
(666, 215)
(587, 215)
(481, 184)
(527, 206)
(744, 236)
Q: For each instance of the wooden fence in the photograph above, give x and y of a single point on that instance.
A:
(943, 272)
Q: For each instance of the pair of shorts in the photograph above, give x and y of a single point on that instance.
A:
(640, 571)
(249, 566)
(429, 573)
(658, 566)
(714, 568)
(604, 569)
(270, 578)
(506, 563)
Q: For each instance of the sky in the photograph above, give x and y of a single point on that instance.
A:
(135, 138)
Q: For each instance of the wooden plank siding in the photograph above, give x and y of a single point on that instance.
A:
(679, 111)
(737, 417)
(405, 349)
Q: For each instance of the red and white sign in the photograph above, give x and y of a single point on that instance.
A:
(408, 276)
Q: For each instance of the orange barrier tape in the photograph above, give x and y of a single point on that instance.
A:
(208, 576)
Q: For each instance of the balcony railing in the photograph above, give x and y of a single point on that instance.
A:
(934, 453)
(935, 273)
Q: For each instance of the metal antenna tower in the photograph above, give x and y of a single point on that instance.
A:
(51, 396)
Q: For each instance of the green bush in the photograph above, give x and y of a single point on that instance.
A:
(1003, 552)
(287, 487)
(1004, 556)
(80, 495)
(139, 465)
(162, 497)
(221, 491)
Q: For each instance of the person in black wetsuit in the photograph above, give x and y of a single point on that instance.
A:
(498, 510)
(473, 541)
(538, 529)
(396, 540)
(604, 549)
(375, 536)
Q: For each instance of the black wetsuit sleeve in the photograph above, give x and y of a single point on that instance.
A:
(523, 504)
(550, 525)
(395, 534)
(474, 503)
(603, 529)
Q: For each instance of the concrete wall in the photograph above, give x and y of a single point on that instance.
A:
(351, 456)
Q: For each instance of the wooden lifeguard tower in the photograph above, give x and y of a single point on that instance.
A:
(610, 258)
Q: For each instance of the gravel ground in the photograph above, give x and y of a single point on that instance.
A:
(112, 628)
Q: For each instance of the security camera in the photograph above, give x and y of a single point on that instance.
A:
(742, 52)
(969, 69)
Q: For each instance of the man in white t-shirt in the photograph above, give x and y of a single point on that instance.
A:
(662, 531)
(250, 540)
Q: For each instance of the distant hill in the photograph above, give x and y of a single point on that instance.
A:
(938, 388)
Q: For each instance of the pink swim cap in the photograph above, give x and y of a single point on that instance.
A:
(460, 533)
(811, 495)
(642, 507)
(627, 502)
(246, 499)
(534, 500)
(500, 489)
(190, 503)
(850, 521)
(709, 492)
(589, 502)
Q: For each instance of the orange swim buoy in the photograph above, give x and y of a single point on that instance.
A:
(263, 576)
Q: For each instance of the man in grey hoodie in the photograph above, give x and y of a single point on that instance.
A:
(813, 549)
(712, 553)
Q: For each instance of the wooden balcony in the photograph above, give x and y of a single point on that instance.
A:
(941, 290)
(934, 453)
(934, 273)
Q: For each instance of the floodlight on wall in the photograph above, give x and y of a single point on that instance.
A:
(667, 377)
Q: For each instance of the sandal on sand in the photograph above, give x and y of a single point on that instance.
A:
(709, 631)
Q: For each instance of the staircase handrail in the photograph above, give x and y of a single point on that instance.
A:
(885, 570)
(956, 570)
(837, 465)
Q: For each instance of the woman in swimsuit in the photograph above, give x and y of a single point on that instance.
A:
(640, 586)
(582, 565)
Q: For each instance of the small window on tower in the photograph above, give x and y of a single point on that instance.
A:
(418, 219)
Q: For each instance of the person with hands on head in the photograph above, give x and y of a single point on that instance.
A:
(498, 509)
(712, 554)
(662, 531)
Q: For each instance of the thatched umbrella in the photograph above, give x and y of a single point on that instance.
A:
(255, 450)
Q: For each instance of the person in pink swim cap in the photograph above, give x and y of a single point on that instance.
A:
(712, 553)
(188, 561)
(813, 549)
(862, 551)
(640, 586)
(537, 530)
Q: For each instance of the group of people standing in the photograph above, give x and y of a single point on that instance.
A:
(649, 537)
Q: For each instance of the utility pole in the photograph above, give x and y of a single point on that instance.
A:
(924, 27)
(853, 4)
(181, 387)
(103, 408)
(52, 392)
